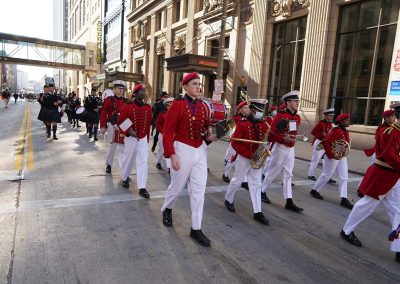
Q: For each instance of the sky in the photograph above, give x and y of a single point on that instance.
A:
(32, 18)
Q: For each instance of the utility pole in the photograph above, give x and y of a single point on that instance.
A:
(221, 51)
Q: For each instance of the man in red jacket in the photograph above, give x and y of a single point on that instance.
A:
(320, 132)
(283, 136)
(112, 106)
(184, 140)
(380, 185)
(138, 115)
(252, 128)
(334, 162)
(159, 128)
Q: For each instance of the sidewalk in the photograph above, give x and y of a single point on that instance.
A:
(357, 161)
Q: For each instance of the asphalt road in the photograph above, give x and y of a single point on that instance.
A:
(63, 220)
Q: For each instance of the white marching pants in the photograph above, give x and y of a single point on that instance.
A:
(135, 151)
(316, 157)
(193, 171)
(367, 205)
(282, 160)
(230, 152)
(330, 165)
(160, 152)
(243, 169)
(112, 146)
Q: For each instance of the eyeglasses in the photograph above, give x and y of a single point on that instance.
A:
(120, 87)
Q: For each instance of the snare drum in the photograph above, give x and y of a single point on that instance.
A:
(80, 110)
(217, 110)
(119, 137)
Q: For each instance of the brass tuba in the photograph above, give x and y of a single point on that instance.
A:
(262, 152)
(340, 149)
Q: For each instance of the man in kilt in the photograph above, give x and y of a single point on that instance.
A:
(49, 112)
(92, 105)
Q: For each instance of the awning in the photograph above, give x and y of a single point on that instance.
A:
(125, 76)
(205, 65)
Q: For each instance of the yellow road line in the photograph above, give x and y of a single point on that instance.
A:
(30, 163)
(19, 157)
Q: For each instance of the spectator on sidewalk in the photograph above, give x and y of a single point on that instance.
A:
(15, 95)
(6, 97)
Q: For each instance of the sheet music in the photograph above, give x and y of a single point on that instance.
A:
(125, 124)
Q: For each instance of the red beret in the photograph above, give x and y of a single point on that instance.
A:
(137, 88)
(241, 104)
(273, 108)
(342, 116)
(387, 113)
(189, 77)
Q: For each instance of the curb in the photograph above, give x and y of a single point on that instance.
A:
(350, 171)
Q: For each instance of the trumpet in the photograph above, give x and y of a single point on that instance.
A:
(301, 137)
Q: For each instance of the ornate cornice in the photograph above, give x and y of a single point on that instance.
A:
(285, 7)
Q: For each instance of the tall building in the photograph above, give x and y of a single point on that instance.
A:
(339, 53)
(85, 28)
(60, 33)
(22, 80)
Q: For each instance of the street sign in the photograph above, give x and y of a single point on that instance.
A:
(395, 88)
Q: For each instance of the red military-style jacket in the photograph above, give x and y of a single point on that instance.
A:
(321, 130)
(160, 121)
(280, 127)
(187, 121)
(107, 109)
(380, 178)
(246, 129)
(237, 118)
(337, 133)
(369, 152)
(140, 115)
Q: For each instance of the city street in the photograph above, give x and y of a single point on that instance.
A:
(64, 220)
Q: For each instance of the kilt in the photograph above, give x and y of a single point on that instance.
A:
(49, 115)
(91, 117)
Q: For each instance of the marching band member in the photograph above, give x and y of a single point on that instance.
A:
(159, 128)
(92, 104)
(243, 111)
(136, 138)
(50, 104)
(388, 119)
(252, 128)
(336, 161)
(112, 106)
(76, 103)
(320, 132)
(381, 184)
(184, 141)
(283, 136)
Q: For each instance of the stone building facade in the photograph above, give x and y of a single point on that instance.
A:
(338, 53)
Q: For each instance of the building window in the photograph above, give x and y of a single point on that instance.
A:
(91, 57)
(215, 46)
(139, 66)
(180, 10)
(199, 6)
(287, 58)
(364, 49)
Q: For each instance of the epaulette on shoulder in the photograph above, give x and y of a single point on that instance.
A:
(388, 130)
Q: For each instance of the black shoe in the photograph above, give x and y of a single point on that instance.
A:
(167, 217)
(312, 178)
(351, 238)
(226, 179)
(291, 206)
(259, 217)
(153, 148)
(158, 166)
(78, 126)
(398, 256)
(108, 169)
(262, 177)
(143, 193)
(200, 237)
(95, 139)
(360, 194)
(125, 183)
(48, 135)
(292, 184)
(331, 181)
(245, 185)
(90, 135)
(346, 203)
(230, 206)
(55, 138)
(316, 194)
(264, 198)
